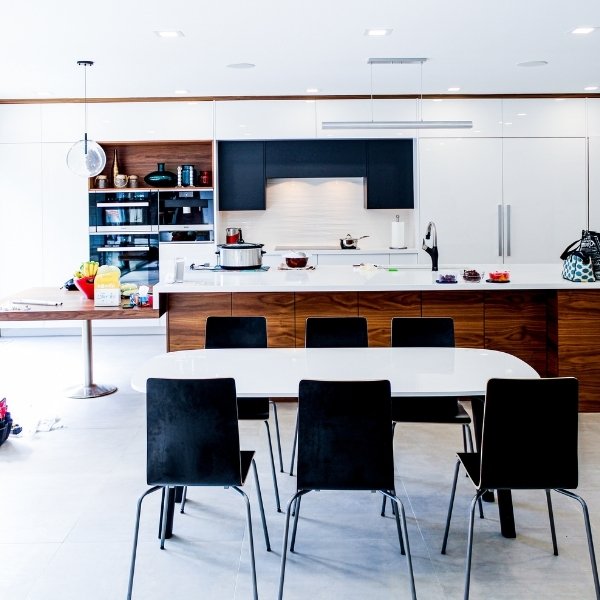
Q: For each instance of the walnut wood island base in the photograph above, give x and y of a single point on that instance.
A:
(554, 326)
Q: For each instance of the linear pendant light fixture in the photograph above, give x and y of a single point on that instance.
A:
(86, 157)
(418, 124)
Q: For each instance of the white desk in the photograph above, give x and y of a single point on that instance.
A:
(276, 372)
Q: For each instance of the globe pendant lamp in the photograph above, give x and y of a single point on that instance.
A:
(86, 157)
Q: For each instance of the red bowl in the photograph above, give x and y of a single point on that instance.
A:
(85, 286)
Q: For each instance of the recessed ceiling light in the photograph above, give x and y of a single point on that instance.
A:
(582, 30)
(169, 34)
(378, 32)
(454, 89)
(182, 92)
(521, 114)
(533, 63)
(591, 88)
(312, 90)
(241, 65)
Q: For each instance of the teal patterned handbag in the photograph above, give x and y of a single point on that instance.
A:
(577, 264)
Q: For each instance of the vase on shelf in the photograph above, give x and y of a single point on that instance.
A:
(161, 177)
(115, 167)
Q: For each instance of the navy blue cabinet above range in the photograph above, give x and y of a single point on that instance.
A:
(245, 166)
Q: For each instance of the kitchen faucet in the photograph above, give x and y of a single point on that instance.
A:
(431, 234)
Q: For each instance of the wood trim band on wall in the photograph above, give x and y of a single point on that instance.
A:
(298, 97)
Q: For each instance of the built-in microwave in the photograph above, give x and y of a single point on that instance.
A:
(127, 211)
(136, 255)
(186, 216)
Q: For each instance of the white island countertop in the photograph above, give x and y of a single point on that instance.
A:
(369, 278)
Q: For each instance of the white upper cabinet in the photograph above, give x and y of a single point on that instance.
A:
(65, 217)
(460, 183)
(129, 121)
(21, 226)
(486, 116)
(264, 119)
(593, 117)
(365, 110)
(544, 117)
(20, 123)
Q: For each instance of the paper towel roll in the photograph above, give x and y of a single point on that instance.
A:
(397, 235)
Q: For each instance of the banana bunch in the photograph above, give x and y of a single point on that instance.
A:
(87, 269)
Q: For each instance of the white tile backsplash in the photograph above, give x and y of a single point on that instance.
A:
(316, 211)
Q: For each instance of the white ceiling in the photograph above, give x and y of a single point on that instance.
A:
(295, 45)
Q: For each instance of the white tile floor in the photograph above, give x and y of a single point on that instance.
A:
(68, 495)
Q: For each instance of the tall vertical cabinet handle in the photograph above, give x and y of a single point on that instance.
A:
(500, 231)
(508, 230)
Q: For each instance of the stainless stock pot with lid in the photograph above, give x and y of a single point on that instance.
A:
(243, 255)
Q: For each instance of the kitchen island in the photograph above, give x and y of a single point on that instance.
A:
(551, 323)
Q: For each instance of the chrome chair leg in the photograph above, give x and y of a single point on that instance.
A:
(286, 531)
(450, 505)
(165, 510)
(277, 435)
(136, 532)
(294, 447)
(261, 506)
(470, 543)
(273, 471)
(183, 499)
(250, 539)
(588, 531)
(552, 528)
(296, 515)
(400, 510)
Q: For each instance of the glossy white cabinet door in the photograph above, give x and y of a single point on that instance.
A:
(544, 188)
(485, 114)
(129, 121)
(544, 117)
(20, 123)
(460, 183)
(21, 225)
(65, 216)
(593, 117)
(264, 119)
(594, 179)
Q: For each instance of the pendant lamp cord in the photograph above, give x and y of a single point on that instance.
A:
(86, 64)
(372, 112)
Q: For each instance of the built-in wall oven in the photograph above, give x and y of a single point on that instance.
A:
(124, 233)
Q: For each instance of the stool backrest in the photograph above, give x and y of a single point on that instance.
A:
(236, 332)
(192, 432)
(530, 431)
(336, 332)
(345, 435)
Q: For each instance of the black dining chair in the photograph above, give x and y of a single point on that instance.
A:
(345, 444)
(332, 332)
(428, 332)
(247, 332)
(537, 451)
(193, 440)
